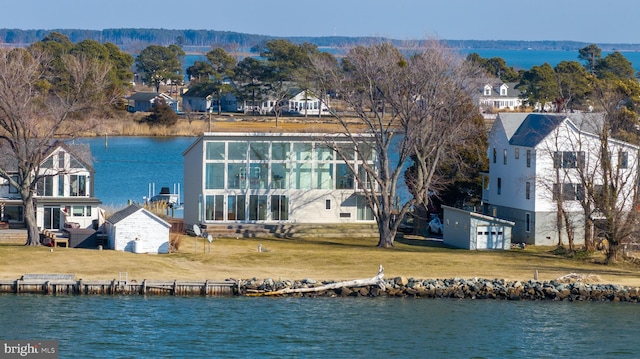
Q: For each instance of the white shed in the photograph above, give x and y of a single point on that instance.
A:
(135, 229)
(469, 230)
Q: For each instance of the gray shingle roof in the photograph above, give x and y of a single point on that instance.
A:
(124, 213)
(534, 128)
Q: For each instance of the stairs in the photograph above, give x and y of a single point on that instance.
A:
(292, 230)
(13, 236)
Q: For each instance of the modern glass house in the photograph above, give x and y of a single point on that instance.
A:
(235, 178)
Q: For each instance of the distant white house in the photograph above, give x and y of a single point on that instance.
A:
(135, 229)
(495, 95)
(534, 159)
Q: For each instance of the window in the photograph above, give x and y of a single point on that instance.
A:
(45, 186)
(237, 176)
(495, 155)
(215, 151)
(623, 159)
(301, 178)
(280, 151)
(257, 207)
(13, 189)
(528, 158)
(61, 159)
(364, 212)
(279, 208)
(214, 176)
(568, 191)
(60, 185)
(344, 177)
(527, 222)
(527, 190)
(324, 176)
(568, 159)
(259, 151)
(499, 185)
(516, 153)
(327, 204)
(237, 151)
(504, 156)
(279, 175)
(236, 207)
(258, 175)
(302, 151)
(214, 208)
(78, 185)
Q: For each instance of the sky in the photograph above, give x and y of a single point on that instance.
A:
(594, 21)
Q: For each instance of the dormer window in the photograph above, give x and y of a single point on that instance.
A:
(487, 90)
(503, 90)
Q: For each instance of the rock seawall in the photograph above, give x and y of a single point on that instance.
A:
(457, 288)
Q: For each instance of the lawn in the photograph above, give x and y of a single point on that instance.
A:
(317, 258)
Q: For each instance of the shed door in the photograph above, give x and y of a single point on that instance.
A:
(490, 237)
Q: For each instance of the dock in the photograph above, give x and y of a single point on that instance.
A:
(55, 284)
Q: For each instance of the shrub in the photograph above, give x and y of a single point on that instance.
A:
(161, 114)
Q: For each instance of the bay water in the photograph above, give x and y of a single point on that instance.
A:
(222, 327)
(127, 168)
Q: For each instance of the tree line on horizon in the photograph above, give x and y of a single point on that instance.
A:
(134, 39)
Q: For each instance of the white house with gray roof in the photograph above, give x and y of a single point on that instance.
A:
(534, 158)
(495, 95)
(64, 192)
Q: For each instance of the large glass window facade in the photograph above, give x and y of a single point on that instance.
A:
(244, 180)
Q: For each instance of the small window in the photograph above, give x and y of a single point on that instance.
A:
(528, 158)
(527, 222)
(327, 204)
(345, 215)
(516, 153)
(495, 155)
(623, 159)
(504, 156)
(499, 185)
(528, 190)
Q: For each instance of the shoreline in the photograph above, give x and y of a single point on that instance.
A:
(566, 289)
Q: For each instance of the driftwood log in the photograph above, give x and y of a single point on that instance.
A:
(377, 280)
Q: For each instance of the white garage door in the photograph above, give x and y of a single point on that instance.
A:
(490, 237)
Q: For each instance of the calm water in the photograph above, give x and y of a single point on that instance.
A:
(519, 59)
(126, 166)
(198, 327)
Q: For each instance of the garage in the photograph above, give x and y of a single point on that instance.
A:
(475, 231)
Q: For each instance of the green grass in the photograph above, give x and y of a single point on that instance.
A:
(318, 258)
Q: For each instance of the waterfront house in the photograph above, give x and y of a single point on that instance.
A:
(143, 101)
(135, 229)
(234, 179)
(495, 95)
(64, 195)
(535, 160)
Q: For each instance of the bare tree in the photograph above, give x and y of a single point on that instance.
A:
(414, 107)
(594, 183)
(35, 108)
